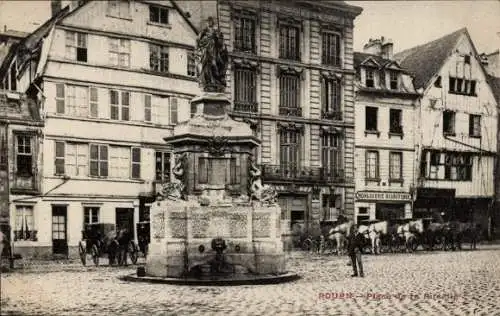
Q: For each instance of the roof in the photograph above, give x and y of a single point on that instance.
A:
(495, 87)
(359, 58)
(14, 33)
(30, 42)
(424, 61)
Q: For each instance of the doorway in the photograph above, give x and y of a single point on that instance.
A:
(59, 230)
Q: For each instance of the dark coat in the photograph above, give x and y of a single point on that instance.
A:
(355, 242)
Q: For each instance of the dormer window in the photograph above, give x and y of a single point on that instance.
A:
(467, 59)
(158, 15)
(393, 76)
(370, 82)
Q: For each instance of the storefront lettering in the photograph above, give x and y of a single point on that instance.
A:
(383, 196)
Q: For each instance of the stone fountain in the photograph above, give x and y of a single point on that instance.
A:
(216, 223)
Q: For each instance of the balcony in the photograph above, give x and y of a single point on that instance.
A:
(246, 107)
(331, 115)
(302, 174)
(290, 111)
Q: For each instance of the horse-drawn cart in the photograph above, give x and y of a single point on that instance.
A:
(100, 238)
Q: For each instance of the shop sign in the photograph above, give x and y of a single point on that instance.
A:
(382, 196)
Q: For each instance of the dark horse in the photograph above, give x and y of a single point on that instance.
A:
(460, 232)
(117, 246)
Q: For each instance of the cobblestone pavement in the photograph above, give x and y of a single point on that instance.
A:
(437, 283)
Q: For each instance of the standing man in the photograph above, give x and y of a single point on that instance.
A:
(354, 248)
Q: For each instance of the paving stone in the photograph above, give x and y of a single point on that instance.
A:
(424, 277)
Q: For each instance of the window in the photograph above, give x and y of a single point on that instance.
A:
(144, 213)
(245, 90)
(158, 58)
(289, 42)
(119, 162)
(369, 82)
(24, 223)
(331, 206)
(119, 8)
(77, 101)
(147, 108)
(290, 148)
(462, 86)
(449, 123)
(290, 95)
(162, 166)
(474, 125)
(244, 31)
(371, 114)
(76, 159)
(173, 110)
(90, 215)
(24, 155)
(395, 166)
(395, 121)
(437, 83)
(99, 160)
(331, 155)
(120, 105)
(158, 15)
(394, 80)
(330, 54)
(331, 98)
(74, 100)
(191, 64)
(3, 152)
(372, 165)
(160, 108)
(76, 46)
(456, 166)
(10, 80)
(119, 52)
(467, 59)
(363, 215)
(59, 159)
(136, 163)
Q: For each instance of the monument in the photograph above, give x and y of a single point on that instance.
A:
(216, 221)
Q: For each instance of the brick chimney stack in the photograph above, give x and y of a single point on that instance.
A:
(56, 6)
(381, 47)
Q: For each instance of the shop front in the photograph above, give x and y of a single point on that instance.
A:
(379, 205)
(434, 203)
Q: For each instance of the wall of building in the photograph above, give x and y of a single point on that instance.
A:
(436, 100)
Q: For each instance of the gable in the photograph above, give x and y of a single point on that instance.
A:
(100, 16)
(370, 62)
(393, 66)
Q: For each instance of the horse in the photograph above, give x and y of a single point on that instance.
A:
(435, 234)
(458, 231)
(375, 233)
(411, 233)
(116, 244)
(339, 235)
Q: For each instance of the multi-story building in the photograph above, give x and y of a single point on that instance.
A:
(291, 77)
(20, 158)
(385, 111)
(114, 77)
(458, 124)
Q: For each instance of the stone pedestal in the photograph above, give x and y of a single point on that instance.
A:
(182, 233)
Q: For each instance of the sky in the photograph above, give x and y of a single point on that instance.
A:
(407, 23)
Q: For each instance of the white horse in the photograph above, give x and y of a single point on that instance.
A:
(375, 231)
(339, 235)
(409, 229)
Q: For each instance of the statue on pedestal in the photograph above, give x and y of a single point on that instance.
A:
(263, 193)
(212, 56)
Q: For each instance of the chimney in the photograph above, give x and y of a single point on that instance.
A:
(374, 47)
(387, 48)
(55, 6)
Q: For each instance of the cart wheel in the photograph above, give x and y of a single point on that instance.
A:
(133, 251)
(95, 255)
(82, 251)
(306, 245)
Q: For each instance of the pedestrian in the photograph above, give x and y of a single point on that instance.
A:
(354, 248)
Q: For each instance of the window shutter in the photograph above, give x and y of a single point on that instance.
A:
(471, 125)
(60, 98)
(173, 111)
(93, 102)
